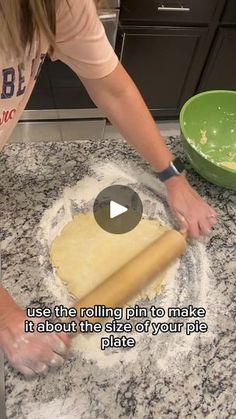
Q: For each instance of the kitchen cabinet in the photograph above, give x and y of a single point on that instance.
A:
(174, 49)
(229, 14)
(220, 69)
(67, 90)
(164, 62)
(42, 92)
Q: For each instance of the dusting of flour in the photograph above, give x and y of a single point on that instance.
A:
(187, 281)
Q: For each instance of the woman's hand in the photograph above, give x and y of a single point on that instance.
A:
(192, 213)
(31, 353)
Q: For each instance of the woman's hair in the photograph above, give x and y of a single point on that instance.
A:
(21, 19)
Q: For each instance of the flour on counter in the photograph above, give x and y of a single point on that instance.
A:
(188, 282)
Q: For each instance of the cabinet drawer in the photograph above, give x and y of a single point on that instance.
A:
(229, 15)
(168, 11)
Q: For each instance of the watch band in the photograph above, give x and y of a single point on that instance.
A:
(172, 170)
(166, 174)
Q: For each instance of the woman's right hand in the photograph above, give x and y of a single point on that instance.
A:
(31, 353)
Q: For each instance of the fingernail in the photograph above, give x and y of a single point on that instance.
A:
(57, 361)
(43, 370)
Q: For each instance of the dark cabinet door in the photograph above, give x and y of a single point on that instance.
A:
(229, 15)
(220, 70)
(42, 97)
(58, 87)
(165, 63)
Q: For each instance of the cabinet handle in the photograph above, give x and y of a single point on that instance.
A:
(107, 16)
(173, 9)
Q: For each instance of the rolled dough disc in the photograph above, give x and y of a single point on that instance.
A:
(84, 255)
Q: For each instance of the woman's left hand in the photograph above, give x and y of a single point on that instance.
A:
(192, 213)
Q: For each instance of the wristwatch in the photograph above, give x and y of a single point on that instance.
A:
(175, 168)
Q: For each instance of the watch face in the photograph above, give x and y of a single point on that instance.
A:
(179, 165)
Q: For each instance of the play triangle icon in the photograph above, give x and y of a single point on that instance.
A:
(116, 209)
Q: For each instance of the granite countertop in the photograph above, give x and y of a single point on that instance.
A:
(32, 177)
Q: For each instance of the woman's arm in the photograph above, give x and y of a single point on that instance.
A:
(81, 43)
(117, 95)
(120, 99)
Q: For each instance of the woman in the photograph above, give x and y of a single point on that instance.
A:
(71, 31)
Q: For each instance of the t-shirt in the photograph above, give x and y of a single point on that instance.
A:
(81, 43)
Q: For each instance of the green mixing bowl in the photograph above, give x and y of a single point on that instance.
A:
(208, 130)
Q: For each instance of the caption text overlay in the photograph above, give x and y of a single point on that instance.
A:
(122, 321)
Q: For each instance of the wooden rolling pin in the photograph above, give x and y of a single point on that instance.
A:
(136, 274)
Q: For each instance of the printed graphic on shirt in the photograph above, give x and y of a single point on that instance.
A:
(13, 79)
(6, 116)
(13, 86)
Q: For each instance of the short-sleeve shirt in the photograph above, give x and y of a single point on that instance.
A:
(81, 43)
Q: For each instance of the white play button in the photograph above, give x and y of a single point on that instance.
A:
(116, 209)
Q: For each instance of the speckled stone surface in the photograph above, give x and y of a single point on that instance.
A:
(32, 177)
